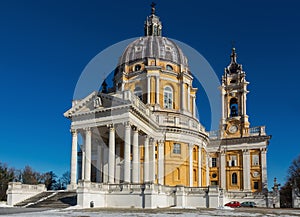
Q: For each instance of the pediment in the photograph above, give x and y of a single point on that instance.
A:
(94, 101)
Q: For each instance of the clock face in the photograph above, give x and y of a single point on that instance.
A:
(233, 129)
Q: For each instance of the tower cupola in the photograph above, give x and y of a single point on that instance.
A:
(233, 67)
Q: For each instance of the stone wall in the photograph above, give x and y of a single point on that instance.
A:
(296, 198)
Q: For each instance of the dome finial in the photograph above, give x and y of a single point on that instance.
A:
(153, 7)
(233, 54)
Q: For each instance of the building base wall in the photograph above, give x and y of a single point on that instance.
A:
(148, 196)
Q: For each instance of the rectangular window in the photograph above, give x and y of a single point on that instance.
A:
(255, 160)
(214, 162)
(233, 161)
(176, 148)
(256, 185)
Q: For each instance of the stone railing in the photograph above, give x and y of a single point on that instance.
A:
(253, 131)
(215, 134)
(25, 187)
(125, 187)
(257, 131)
(233, 195)
(196, 190)
(179, 121)
(129, 95)
(17, 192)
(162, 119)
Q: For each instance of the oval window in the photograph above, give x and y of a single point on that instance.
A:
(169, 67)
(137, 67)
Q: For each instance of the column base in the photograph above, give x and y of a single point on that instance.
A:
(72, 186)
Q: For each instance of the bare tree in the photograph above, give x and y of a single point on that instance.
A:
(6, 176)
(293, 181)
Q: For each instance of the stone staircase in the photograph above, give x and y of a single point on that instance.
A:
(51, 199)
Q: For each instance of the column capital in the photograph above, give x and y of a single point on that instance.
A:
(110, 126)
(161, 143)
(127, 124)
(88, 129)
(246, 151)
(135, 128)
(191, 145)
(263, 150)
(73, 131)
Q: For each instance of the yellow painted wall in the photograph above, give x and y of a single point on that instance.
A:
(238, 169)
(175, 163)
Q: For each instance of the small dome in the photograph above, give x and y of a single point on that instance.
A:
(155, 47)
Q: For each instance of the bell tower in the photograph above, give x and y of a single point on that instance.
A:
(234, 91)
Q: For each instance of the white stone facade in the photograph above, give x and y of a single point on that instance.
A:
(146, 196)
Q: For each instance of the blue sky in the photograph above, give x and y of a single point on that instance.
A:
(45, 45)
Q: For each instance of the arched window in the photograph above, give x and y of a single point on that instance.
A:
(138, 92)
(169, 67)
(233, 107)
(168, 97)
(194, 154)
(234, 178)
(137, 67)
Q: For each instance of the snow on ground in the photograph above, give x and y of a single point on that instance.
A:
(3, 204)
(160, 213)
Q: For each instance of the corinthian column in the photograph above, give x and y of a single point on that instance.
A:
(135, 157)
(88, 154)
(127, 153)
(199, 166)
(146, 159)
(161, 161)
(152, 161)
(74, 157)
(111, 155)
(191, 164)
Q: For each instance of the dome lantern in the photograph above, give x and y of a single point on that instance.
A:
(153, 26)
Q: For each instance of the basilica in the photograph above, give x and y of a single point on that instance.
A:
(140, 144)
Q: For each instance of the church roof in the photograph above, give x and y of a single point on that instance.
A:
(153, 45)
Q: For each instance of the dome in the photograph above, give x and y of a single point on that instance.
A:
(155, 47)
